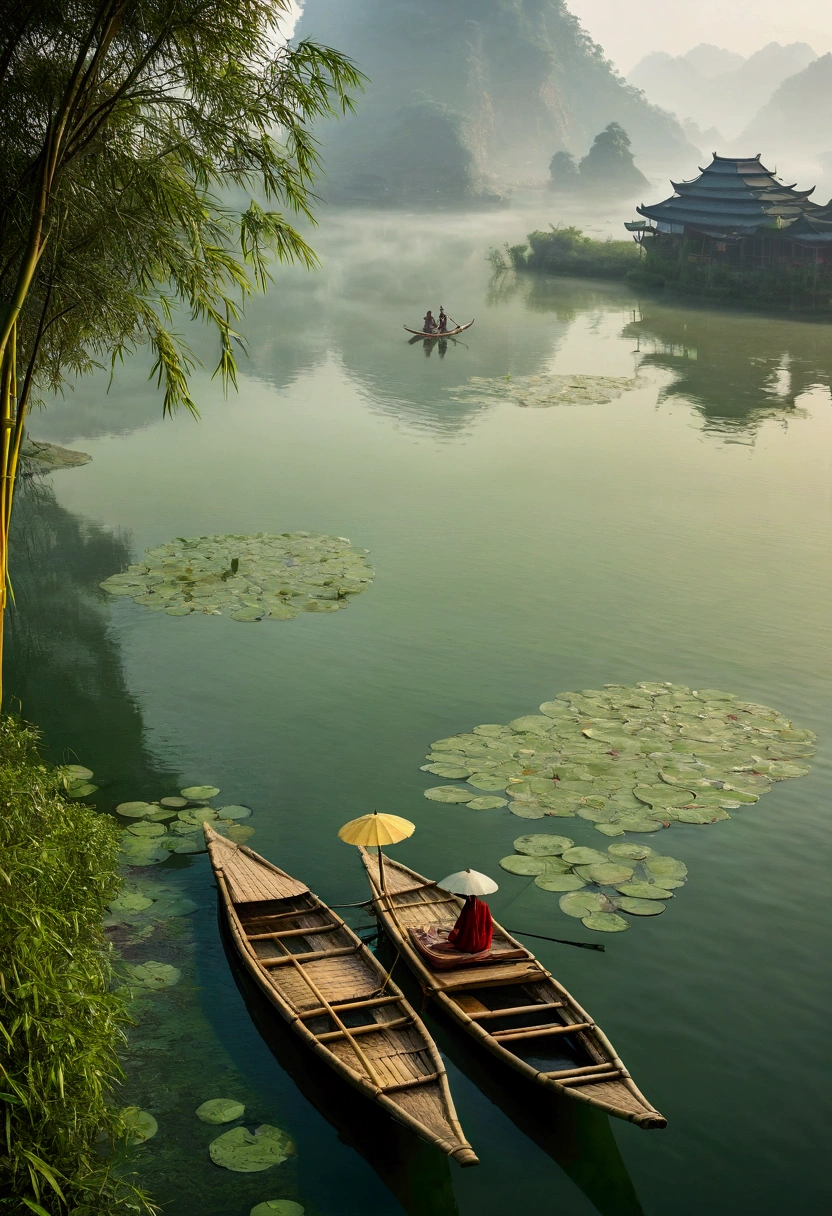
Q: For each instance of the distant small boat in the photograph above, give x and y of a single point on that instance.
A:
(334, 994)
(507, 1002)
(449, 333)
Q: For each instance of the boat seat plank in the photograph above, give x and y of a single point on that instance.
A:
(301, 931)
(536, 1032)
(282, 960)
(346, 1006)
(596, 1079)
(516, 1010)
(374, 1028)
(412, 1082)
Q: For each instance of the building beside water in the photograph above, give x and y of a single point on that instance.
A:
(739, 214)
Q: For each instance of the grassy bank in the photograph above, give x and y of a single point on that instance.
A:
(61, 1025)
(567, 251)
(795, 288)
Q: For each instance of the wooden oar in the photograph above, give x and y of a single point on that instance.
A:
(561, 941)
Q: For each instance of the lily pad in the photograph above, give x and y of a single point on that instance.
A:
(581, 856)
(608, 873)
(153, 976)
(81, 789)
(528, 810)
(199, 793)
(581, 903)
(559, 882)
(487, 781)
(134, 810)
(220, 1110)
(644, 890)
(527, 866)
(781, 770)
(174, 803)
(605, 922)
(277, 1207)
(635, 852)
(542, 845)
(449, 793)
(129, 901)
(76, 773)
(663, 795)
(247, 1152)
(191, 844)
(241, 832)
(640, 907)
(486, 804)
(453, 771)
(140, 1125)
(665, 867)
(609, 829)
(234, 812)
(535, 724)
(143, 828)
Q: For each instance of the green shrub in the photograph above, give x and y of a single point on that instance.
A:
(567, 251)
(795, 288)
(60, 1024)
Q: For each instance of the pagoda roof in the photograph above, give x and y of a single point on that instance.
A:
(732, 196)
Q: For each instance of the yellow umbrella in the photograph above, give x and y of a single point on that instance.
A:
(377, 830)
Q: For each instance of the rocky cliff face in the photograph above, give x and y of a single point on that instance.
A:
(467, 95)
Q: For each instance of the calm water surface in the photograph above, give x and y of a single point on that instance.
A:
(680, 532)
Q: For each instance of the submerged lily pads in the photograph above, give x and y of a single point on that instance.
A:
(543, 390)
(248, 578)
(247, 1152)
(220, 1110)
(130, 901)
(277, 1207)
(153, 976)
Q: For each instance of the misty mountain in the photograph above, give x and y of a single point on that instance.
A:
(795, 122)
(694, 86)
(468, 95)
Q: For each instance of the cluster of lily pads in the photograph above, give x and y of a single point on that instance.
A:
(77, 781)
(626, 758)
(174, 825)
(241, 1150)
(247, 578)
(541, 391)
(594, 886)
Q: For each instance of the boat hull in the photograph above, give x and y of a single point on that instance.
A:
(451, 333)
(500, 1005)
(388, 1055)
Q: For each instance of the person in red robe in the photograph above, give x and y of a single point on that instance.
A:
(474, 929)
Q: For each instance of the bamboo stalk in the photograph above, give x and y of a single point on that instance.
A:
(281, 933)
(577, 1072)
(427, 1079)
(614, 1074)
(537, 1007)
(310, 956)
(342, 1006)
(396, 1024)
(509, 1036)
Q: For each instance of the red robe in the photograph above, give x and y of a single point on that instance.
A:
(473, 930)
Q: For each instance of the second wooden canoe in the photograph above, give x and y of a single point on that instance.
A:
(334, 994)
(515, 1009)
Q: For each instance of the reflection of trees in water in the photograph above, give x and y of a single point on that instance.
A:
(736, 369)
(62, 661)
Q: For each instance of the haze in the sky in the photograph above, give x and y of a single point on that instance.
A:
(627, 34)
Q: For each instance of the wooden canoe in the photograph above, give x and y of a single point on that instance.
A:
(334, 994)
(514, 1008)
(450, 333)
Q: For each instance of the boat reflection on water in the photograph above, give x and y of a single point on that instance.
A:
(577, 1137)
(418, 1174)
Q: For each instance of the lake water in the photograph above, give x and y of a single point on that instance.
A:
(679, 532)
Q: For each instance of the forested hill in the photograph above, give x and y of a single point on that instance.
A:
(466, 95)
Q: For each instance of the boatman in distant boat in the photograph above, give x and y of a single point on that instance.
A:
(428, 325)
(443, 320)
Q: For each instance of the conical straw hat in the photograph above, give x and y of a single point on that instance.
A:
(469, 882)
(376, 829)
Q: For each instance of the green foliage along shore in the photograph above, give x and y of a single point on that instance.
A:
(567, 251)
(61, 1025)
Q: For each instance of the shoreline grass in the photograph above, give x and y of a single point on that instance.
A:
(61, 1023)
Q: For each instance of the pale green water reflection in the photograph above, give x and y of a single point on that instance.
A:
(680, 532)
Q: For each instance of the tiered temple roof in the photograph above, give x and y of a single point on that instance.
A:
(735, 197)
